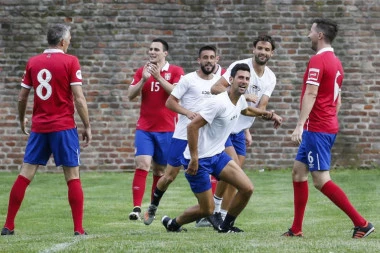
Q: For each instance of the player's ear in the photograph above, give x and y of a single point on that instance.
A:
(321, 35)
(271, 53)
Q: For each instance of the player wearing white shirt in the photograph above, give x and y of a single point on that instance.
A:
(221, 115)
(261, 86)
(191, 91)
(185, 99)
(207, 134)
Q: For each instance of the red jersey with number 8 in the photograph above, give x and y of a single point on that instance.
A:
(51, 75)
(324, 70)
(154, 115)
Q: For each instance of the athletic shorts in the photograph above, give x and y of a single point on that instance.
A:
(64, 145)
(315, 150)
(228, 142)
(175, 153)
(154, 144)
(206, 166)
(238, 141)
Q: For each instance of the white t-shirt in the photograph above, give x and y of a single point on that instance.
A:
(221, 116)
(259, 86)
(191, 90)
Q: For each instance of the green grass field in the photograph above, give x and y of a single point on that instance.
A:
(44, 221)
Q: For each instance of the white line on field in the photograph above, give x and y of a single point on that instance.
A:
(60, 246)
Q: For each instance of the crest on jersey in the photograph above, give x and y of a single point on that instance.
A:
(313, 74)
(79, 74)
(168, 76)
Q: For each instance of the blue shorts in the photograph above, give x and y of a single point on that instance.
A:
(175, 153)
(63, 144)
(228, 142)
(315, 150)
(154, 144)
(238, 141)
(206, 166)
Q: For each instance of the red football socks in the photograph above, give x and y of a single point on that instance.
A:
(340, 199)
(76, 200)
(301, 194)
(15, 199)
(214, 182)
(138, 186)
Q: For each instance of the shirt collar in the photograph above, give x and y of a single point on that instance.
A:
(165, 67)
(326, 49)
(54, 50)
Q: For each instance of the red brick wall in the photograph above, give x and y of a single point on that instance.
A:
(111, 39)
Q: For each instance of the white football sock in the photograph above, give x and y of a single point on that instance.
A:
(218, 204)
(223, 213)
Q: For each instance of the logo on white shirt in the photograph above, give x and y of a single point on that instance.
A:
(234, 117)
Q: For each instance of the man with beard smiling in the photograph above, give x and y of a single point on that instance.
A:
(261, 86)
(204, 155)
(185, 99)
(155, 126)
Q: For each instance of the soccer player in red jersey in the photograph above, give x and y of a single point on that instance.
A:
(57, 82)
(155, 126)
(185, 99)
(317, 128)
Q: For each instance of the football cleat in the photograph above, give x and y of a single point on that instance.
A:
(76, 233)
(202, 223)
(229, 229)
(6, 231)
(150, 214)
(361, 232)
(290, 233)
(167, 222)
(135, 214)
(216, 220)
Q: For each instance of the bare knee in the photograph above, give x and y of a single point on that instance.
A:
(300, 172)
(247, 190)
(71, 173)
(318, 184)
(143, 162)
(206, 211)
(320, 178)
(28, 170)
(158, 169)
(168, 179)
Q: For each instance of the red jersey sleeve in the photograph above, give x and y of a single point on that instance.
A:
(137, 77)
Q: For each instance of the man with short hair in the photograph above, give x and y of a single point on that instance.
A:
(155, 126)
(185, 99)
(57, 82)
(204, 154)
(261, 86)
(317, 128)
